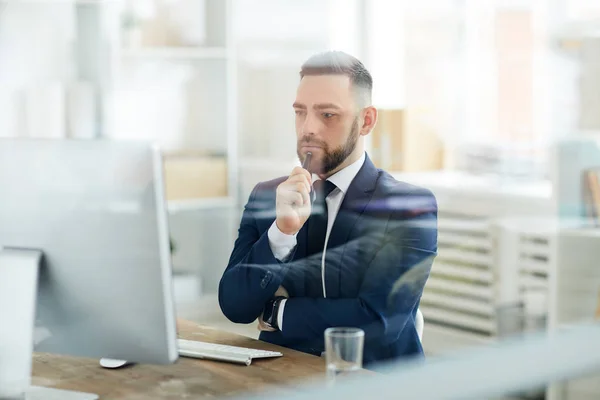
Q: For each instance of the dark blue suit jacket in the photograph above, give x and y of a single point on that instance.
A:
(379, 255)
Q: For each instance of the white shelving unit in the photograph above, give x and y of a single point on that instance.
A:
(164, 86)
(155, 83)
(481, 276)
(509, 263)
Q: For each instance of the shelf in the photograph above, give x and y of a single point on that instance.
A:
(175, 53)
(207, 203)
(455, 239)
(463, 272)
(447, 285)
(463, 304)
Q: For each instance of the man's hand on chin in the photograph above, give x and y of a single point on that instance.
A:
(281, 291)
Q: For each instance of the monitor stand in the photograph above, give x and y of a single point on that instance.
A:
(19, 270)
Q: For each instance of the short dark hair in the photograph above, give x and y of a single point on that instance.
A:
(340, 63)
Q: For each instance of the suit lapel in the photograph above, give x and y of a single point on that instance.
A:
(355, 201)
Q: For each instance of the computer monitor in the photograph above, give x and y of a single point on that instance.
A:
(94, 214)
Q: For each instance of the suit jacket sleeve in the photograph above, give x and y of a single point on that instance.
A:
(253, 274)
(391, 288)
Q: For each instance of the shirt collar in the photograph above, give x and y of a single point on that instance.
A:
(343, 178)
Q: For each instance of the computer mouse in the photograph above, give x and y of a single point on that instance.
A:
(112, 363)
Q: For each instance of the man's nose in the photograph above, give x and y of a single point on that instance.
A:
(310, 127)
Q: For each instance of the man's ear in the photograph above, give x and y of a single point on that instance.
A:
(369, 120)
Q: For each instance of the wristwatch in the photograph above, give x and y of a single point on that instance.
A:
(271, 312)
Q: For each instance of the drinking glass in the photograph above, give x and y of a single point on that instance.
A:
(343, 351)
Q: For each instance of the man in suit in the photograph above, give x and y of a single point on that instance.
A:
(340, 244)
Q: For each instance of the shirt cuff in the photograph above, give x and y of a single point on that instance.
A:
(280, 314)
(280, 243)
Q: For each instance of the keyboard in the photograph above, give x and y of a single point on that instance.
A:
(221, 352)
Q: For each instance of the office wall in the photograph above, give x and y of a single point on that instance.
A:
(273, 39)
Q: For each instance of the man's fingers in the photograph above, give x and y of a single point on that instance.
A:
(304, 192)
(295, 198)
(300, 187)
(264, 327)
(298, 179)
(301, 174)
(301, 171)
(299, 182)
(306, 198)
(297, 185)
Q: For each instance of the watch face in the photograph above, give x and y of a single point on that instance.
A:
(268, 313)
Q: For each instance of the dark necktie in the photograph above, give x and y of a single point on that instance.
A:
(317, 222)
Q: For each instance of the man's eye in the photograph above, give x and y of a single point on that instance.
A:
(328, 115)
(299, 112)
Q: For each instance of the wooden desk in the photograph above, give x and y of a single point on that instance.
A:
(187, 378)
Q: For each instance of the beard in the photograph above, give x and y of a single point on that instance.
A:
(331, 158)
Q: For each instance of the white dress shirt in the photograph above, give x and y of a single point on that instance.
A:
(282, 244)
